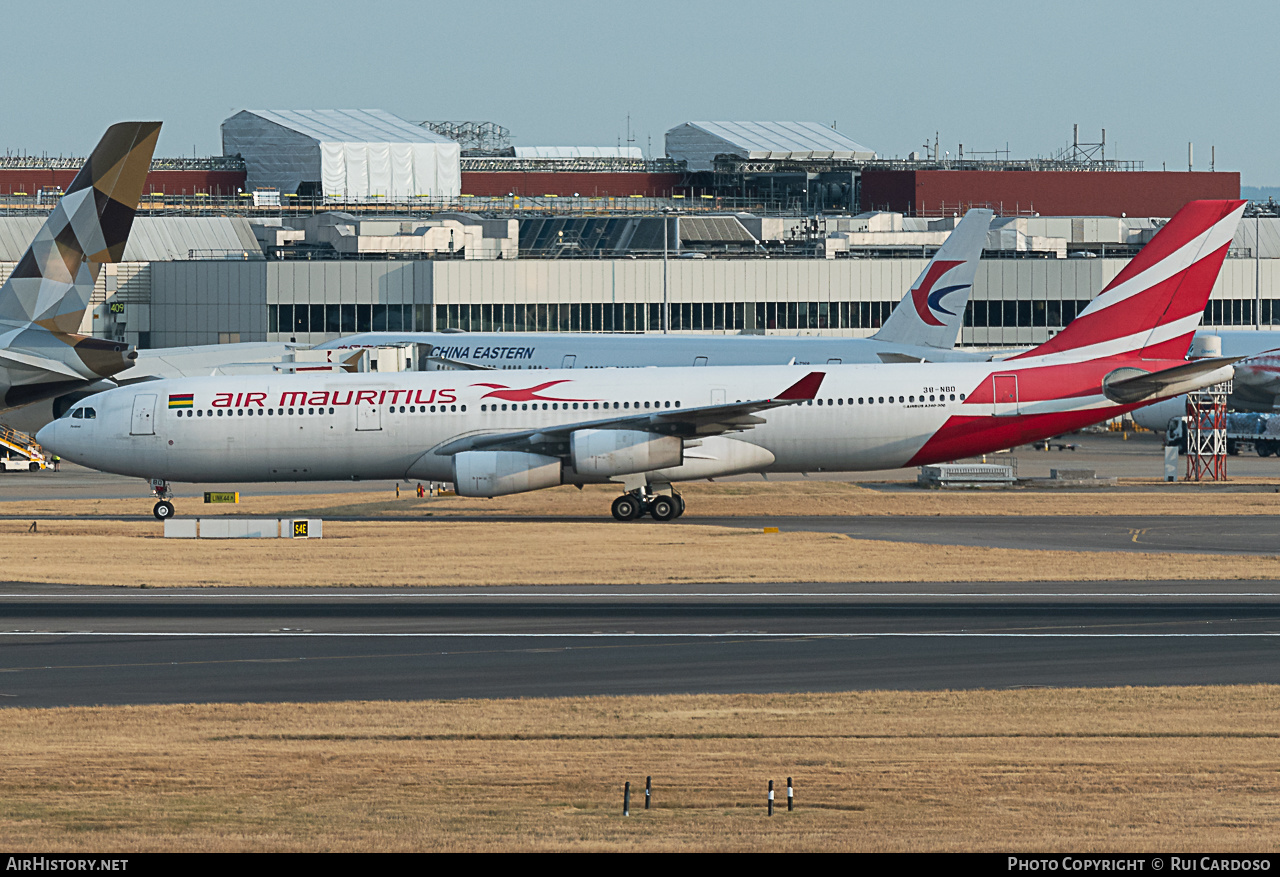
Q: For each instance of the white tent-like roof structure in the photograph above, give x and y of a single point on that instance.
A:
(347, 154)
(698, 143)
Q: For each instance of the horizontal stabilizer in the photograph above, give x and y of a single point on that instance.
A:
(894, 358)
(12, 358)
(1133, 385)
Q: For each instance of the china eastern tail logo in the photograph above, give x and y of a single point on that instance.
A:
(928, 301)
(531, 394)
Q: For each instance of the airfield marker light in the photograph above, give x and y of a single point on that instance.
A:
(791, 796)
(770, 797)
(648, 791)
(626, 798)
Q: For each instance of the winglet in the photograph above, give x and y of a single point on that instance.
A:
(805, 388)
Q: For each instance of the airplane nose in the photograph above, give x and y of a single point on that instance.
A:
(47, 435)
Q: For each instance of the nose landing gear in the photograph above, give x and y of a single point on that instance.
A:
(163, 509)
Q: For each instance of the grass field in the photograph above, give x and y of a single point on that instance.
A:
(1163, 769)
(441, 552)
(454, 552)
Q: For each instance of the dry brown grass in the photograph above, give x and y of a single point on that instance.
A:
(1074, 770)
(778, 498)
(453, 553)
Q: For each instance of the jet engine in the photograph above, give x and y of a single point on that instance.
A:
(498, 473)
(622, 451)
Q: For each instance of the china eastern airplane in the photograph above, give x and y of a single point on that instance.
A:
(922, 328)
(646, 429)
(43, 302)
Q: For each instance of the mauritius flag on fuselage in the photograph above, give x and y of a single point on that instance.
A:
(182, 400)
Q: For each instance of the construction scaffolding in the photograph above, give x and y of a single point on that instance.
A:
(1207, 433)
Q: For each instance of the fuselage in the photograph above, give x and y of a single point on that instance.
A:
(366, 426)
(555, 350)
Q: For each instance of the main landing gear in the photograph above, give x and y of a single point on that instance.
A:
(637, 503)
(163, 508)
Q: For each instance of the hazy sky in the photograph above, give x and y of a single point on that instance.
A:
(889, 74)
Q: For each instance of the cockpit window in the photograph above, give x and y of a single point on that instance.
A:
(90, 414)
(78, 414)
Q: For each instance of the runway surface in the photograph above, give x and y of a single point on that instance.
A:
(82, 646)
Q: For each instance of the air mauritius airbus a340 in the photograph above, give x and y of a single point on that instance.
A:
(645, 429)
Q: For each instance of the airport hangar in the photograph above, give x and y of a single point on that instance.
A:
(347, 221)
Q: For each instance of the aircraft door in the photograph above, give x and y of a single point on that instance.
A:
(717, 395)
(1004, 395)
(699, 360)
(144, 409)
(368, 417)
(835, 360)
(569, 360)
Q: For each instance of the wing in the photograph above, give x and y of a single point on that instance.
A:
(685, 422)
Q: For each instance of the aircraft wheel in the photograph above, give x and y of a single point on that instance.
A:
(163, 510)
(627, 508)
(679, 505)
(663, 508)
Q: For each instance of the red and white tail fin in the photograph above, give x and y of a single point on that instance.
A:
(1153, 306)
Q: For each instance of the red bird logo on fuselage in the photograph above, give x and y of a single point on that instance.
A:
(505, 393)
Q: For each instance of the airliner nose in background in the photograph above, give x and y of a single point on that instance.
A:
(494, 433)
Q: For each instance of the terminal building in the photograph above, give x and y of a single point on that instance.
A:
(333, 222)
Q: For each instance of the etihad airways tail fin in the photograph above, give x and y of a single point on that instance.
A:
(42, 304)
